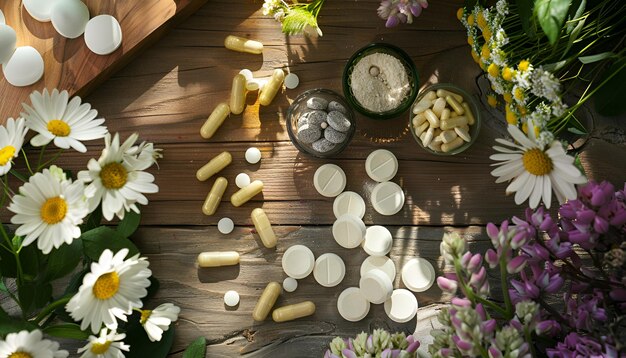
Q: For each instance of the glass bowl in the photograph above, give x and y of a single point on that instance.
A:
(408, 65)
(474, 130)
(299, 110)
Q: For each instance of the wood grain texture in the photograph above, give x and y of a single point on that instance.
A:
(69, 64)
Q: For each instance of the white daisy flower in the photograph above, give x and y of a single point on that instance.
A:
(49, 209)
(144, 155)
(535, 172)
(108, 345)
(11, 139)
(65, 123)
(158, 320)
(113, 288)
(26, 344)
(117, 178)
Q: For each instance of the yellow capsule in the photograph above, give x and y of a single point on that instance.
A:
(246, 193)
(214, 166)
(291, 312)
(445, 114)
(450, 123)
(242, 44)
(443, 93)
(238, 94)
(421, 129)
(215, 120)
(456, 106)
(214, 197)
(468, 113)
(432, 118)
(270, 90)
(218, 258)
(457, 142)
(448, 136)
(263, 227)
(438, 106)
(266, 301)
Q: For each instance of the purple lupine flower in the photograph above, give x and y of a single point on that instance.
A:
(584, 311)
(447, 285)
(576, 345)
(547, 328)
(400, 11)
(348, 353)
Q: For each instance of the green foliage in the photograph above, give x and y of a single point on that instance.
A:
(129, 224)
(551, 14)
(525, 8)
(97, 240)
(64, 260)
(66, 330)
(610, 99)
(9, 325)
(297, 19)
(197, 349)
(140, 344)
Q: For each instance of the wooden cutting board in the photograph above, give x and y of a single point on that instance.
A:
(69, 65)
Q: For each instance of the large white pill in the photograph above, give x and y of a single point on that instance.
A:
(401, 307)
(329, 270)
(382, 263)
(242, 180)
(2, 20)
(225, 226)
(387, 198)
(418, 274)
(39, 9)
(292, 81)
(24, 68)
(378, 241)
(8, 39)
(253, 155)
(69, 17)
(349, 202)
(231, 298)
(349, 231)
(298, 261)
(381, 165)
(103, 34)
(376, 286)
(352, 305)
(290, 284)
(329, 180)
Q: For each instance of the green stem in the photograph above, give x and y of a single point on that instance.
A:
(51, 160)
(18, 175)
(51, 307)
(531, 344)
(30, 170)
(505, 291)
(43, 149)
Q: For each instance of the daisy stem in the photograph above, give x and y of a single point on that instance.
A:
(505, 291)
(43, 150)
(30, 170)
(51, 307)
(51, 160)
(18, 175)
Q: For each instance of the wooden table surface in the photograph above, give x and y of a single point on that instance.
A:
(168, 92)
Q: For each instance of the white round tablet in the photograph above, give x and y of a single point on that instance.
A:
(418, 274)
(69, 17)
(292, 81)
(103, 34)
(298, 261)
(24, 68)
(401, 307)
(387, 198)
(376, 286)
(352, 305)
(8, 39)
(242, 180)
(290, 284)
(329, 270)
(231, 298)
(253, 155)
(378, 241)
(349, 202)
(39, 9)
(247, 74)
(225, 226)
(349, 231)
(383, 263)
(329, 180)
(2, 20)
(381, 165)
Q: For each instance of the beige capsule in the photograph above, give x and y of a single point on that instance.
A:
(295, 311)
(438, 106)
(456, 106)
(453, 122)
(422, 105)
(215, 120)
(431, 95)
(246, 193)
(213, 199)
(463, 133)
(242, 44)
(448, 136)
(446, 147)
(421, 129)
(445, 114)
(418, 120)
(218, 258)
(432, 118)
(238, 94)
(468, 113)
(263, 227)
(430, 133)
(443, 93)
(272, 87)
(266, 301)
(214, 166)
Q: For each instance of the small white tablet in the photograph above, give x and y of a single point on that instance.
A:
(349, 231)
(418, 274)
(69, 17)
(242, 180)
(376, 286)
(253, 155)
(349, 202)
(8, 39)
(231, 298)
(352, 305)
(39, 9)
(387, 198)
(225, 226)
(292, 81)
(298, 261)
(103, 34)
(383, 263)
(290, 284)
(329, 180)
(381, 165)
(329, 270)
(24, 68)
(401, 307)
(378, 241)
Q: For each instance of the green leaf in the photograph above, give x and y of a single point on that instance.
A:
(66, 330)
(577, 8)
(3, 287)
(297, 19)
(551, 15)
(29, 258)
(197, 349)
(595, 58)
(97, 240)
(573, 36)
(43, 294)
(93, 221)
(8, 265)
(575, 131)
(64, 260)
(153, 288)
(10, 325)
(555, 66)
(26, 295)
(129, 224)
(610, 99)
(140, 344)
(525, 9)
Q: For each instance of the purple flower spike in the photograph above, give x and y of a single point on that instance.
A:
(548, 328)
(386, 353)
(490, 326)
(416, 10)
(348, 353)
(447, 284)
(413, 346)
(492, 258)
(461, 302)
(327, 354)
(494, 352)
(516, 265)
(392, 21)
(492, 232)
(475, 262)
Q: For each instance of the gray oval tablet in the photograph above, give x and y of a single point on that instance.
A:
(309, 133)
(334, 136)
(323, 145)
(314, 118)
(317, 103)
(336, 106)
(338, 121)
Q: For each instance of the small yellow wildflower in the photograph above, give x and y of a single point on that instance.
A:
(525, 127)
(485, 53)
(508, 98)
(522, 110)
(470, 20)
(507, 73)
(483, 66)
(475, 56)
(470, 40)
(492, 100)
(486, 34)
(511, 117)
(459, 13)
(493, 70)
(519, 94)
(523, 65)
(493, 87)
(480, 19)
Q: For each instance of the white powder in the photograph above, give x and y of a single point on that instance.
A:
(379, 82)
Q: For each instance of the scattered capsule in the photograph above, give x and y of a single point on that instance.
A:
(456, 106)
(238, 94)
(242, 44)
(432, 118)
(218, 258)
(214, 166)
(291, 312)
(246, 193)
(266, 301)
(270, 90)
(263, 227)
(446, 147)
(214, 197)
(215, 120)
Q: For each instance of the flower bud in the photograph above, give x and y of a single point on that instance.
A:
(547, 328)
(516, 265)
(447, 284)
(492, 258)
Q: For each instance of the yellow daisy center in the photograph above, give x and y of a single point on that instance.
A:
(6, 154)
(475, 57)
(492, 101)
(485, 52)
(113, 176)
(522, 110)
(511, 117)
(53, 210)
(482, 22)
(145, 314)
(106, 286)
(459, 13)
(537, 162)
(20, 355)
(100, 348)
(523, 65)
(470, 20)
(507, 74)
(470, 40)
(507, 97)
(487, 34)
(493, 70)
(519, 93)
(59, 128)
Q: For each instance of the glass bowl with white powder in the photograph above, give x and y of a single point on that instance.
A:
(380, 81)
